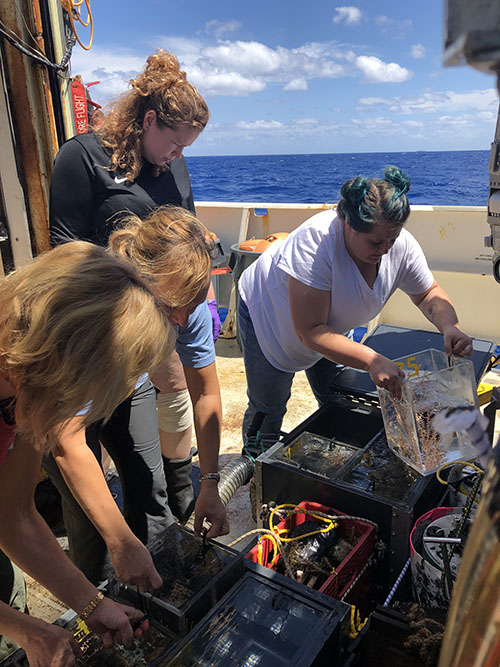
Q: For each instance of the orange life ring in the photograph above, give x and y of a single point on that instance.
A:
(272, 238)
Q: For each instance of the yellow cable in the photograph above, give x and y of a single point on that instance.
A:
(356, 624)
(73, 8)
(260, 550)
(283, 531)
(453, 463)
(259, 531)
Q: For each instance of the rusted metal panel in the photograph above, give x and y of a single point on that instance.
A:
(12, 191)
(46, 83)
(30, 111)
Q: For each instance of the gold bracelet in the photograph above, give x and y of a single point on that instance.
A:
(91, 606)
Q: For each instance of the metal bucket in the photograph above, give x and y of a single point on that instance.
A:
(239, 261)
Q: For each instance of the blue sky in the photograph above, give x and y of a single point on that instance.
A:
(301, 76)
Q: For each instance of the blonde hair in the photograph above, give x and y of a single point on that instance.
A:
(162, 87)
(170, 248)
(76, 326)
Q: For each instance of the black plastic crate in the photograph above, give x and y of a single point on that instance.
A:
(334, 439)
(196, 576)
(16, 659)
(267, 620)
(352, 419)
(394, 509)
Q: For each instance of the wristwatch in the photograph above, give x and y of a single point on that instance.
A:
(209, 475)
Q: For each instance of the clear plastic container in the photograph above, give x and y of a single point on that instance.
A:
(317, 454)
(434, 382)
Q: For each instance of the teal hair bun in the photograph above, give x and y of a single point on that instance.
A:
(354, 191)
(398, 179)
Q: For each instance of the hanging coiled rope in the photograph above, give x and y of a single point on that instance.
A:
(74, 9)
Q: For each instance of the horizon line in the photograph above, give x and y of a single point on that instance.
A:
(455, 150)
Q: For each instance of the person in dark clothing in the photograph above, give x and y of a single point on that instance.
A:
(87, 198)
(133, 164)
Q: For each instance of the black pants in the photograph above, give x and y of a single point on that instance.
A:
(132, 440)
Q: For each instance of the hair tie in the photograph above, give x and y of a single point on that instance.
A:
(356, 191)
(401, 192)
(362, 194)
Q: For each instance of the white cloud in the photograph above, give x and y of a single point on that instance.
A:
(486, 116)
(235, 68)
(257, 59)
(377, 71)
(434, 101)
(317, 133)
(307, 122)
(464, 124)
(348, 15)
(224, 83)
(417, 51)
(396, 28)
(113, 69)
(477, 99)
(219, 28)
(259, 65)
(414, 124)
(185, 48)
(328, 50)
(378, 125)
(259, 125)
(245, 57)
(296, 84)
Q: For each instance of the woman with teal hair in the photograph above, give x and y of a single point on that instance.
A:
(334, 273)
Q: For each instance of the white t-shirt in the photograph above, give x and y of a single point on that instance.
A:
(316, 255)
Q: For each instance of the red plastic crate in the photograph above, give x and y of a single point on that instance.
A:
(345, 573)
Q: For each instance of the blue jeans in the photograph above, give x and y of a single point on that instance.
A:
(269, 389)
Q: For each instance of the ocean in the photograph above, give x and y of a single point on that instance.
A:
(440, 178)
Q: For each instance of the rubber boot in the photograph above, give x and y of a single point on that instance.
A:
(180, 491)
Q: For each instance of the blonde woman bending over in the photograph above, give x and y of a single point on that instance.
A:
(77, 328)
(172, 254)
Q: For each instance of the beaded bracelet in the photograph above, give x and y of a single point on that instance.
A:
(91, 606)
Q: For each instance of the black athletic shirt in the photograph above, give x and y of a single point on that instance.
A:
(87, 200)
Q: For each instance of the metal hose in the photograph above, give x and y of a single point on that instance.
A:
(233, 475)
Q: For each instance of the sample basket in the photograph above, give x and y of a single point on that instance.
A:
(328, 457)
(266, 619)
(148, 650)
(433, 383)
(345, 574)
(195, 577)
